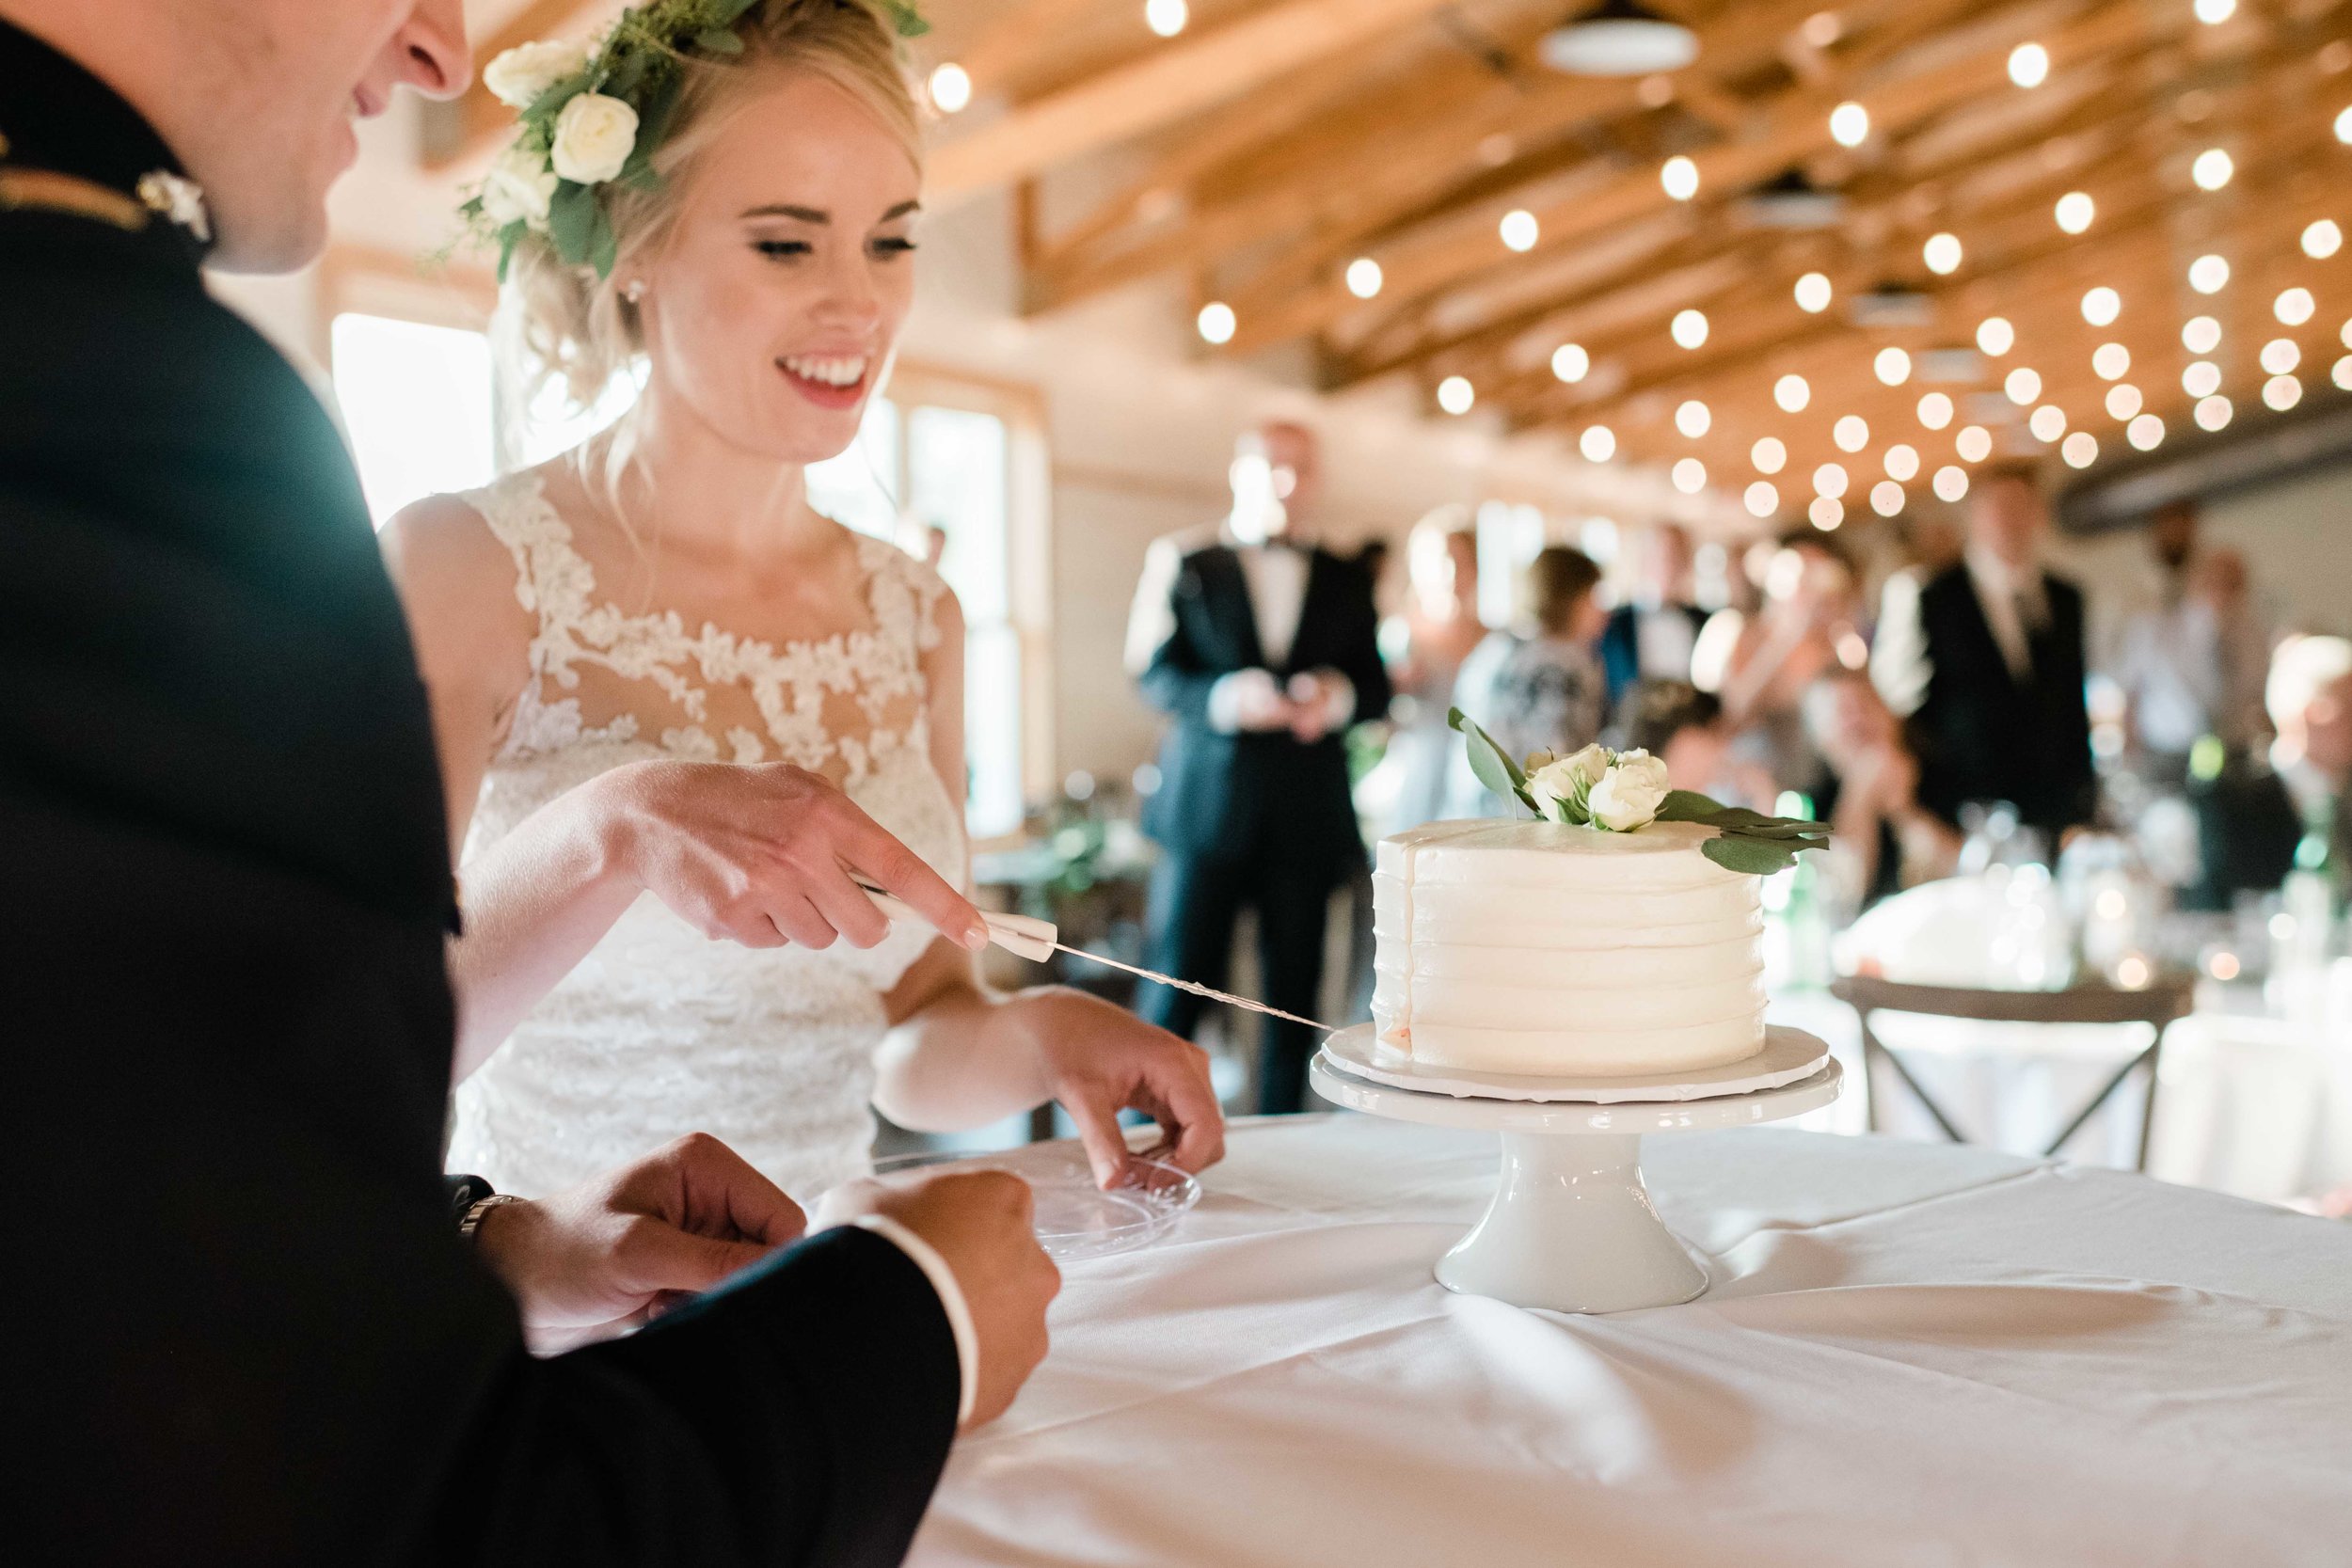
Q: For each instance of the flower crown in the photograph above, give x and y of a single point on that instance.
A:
(593, 115)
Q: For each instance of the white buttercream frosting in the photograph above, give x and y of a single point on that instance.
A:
(1537, 948)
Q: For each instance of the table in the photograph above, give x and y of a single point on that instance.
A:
(1912, 1355)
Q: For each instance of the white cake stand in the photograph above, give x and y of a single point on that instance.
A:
(1571, 1228)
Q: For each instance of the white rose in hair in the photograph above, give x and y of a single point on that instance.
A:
(518, 188)
(1629, 795)
(1562, 786)
(518, 77)
(594, 137)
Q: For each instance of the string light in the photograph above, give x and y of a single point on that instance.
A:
(1520, 229)
(2280, 356)
(2145, 433)
(1689, 328)
(2074, 211)
(1571, 363)
(1165, 17)
(2023, 385)
(2213, 413)
(2081, 450)
(1679, 176)
(951, 88)
(1886, 497)
(2201, 378)
(1850, 124)
(1598, 443)
(1455, 395)
(1935, 410)
(2029, 65)
(1827, 512)
(1852, 432)
(2048, 422)
(2342, 374)
(1693, 418)
(2209, 275)
(1761, 499)
(2111, 361)
(1829, 479)
(2283, 392)
(1768, 455)
(2321, 240)
(1813, 293)
(2202, 333)
(1995, 336)
(2343, 125)
(1950, 482)
(1690, 476)
(1942, 253)
(2100, 306)
(2293, 307)
(1364, 278)
(2212, 169)
(1892, 366)
(1216, 323)
(2215, 12)
(1902, 461)
(2124, 401)
(1974, 444)
(1792, 394)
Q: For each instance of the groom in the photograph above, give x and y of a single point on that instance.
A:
(240, 1322)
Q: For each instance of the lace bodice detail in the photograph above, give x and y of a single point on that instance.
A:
(661, 1031)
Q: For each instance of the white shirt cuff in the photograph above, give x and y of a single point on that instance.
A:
(942, 1278)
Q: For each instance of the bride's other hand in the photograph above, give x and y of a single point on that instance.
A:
(1099, 1059)
(768, 853)
(618, 1248)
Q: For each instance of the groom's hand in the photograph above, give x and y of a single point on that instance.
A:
(615, 1250)
(767, 853)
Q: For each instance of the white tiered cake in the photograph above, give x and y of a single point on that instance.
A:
(1540, 948)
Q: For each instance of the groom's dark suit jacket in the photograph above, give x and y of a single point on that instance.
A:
(236, 1321)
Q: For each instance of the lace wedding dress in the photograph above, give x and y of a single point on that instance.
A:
(661, 1031)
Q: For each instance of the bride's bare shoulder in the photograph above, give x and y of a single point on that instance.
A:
(457, 577)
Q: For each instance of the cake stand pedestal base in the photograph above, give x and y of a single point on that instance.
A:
(1571, 1228)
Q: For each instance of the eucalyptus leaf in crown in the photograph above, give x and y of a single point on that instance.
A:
(1621, 791)
(593, 115)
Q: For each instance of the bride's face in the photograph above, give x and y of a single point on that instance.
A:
(772, 310)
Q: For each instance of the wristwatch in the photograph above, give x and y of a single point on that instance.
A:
(481, 1207)
(469, 1198)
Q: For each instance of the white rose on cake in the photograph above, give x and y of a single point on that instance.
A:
(518, 77)
(594, 137)
(1562, 786)
(1629, 795)
(517, 189)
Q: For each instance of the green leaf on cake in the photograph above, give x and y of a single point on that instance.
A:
(1687, 805)
(1756, 857)
(1489, 762)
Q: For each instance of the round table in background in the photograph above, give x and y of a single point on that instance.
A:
(1910, 1354)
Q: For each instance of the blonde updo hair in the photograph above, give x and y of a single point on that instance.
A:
(569, 324)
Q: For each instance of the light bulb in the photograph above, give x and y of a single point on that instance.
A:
(2212, 169)
(2048, 422)
(1850, 124)
(1974, 444)
(1763, 501)
(1941, 254)
(1363, 277)
(1520, 229)
(1690, 476)
(951, 87)
(1950, 482)
(2213, 413)
(2280, 356)
(1165, 17)
(1813, 293)
(1455, 395)
(1886, 497)
(2342, 374)
(2124, 401)
(2293, 307)
(2343, 125)
(1892, 366)
(1679, 176)
(2100, 306)
(2111, 361)
(1692, 418)
(2214, 13)
(2029, 65)
(2201, 378)
(2202, 333)
(2209, 275)
(1792, 394)
(1571, 363)
(1216, 323)
(1995, 336)
(1935, 410)
(1768, 455)
(1689, 328)
(2023, 385)
(2145, 433)
(1827, 511)
(1852, 432)
(2283, 392)
(2074, 211)
(2081, 450)
(2321, 240)
(1598, 443)
(1829, 479)
(1902, 461)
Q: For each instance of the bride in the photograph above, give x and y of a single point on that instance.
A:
(668, 694)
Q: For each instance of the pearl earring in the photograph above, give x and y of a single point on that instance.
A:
(635, 291)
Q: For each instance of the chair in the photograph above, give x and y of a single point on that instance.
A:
(2158, 1004)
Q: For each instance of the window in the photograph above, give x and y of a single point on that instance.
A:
(416, 403)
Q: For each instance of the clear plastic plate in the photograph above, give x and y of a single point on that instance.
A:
(1077, 1219)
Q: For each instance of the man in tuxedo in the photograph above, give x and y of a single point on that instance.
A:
(1985, 662)
(244, 1324)
(1262, 649)
(1651, 636)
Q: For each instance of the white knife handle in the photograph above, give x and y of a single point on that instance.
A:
(1018, 934)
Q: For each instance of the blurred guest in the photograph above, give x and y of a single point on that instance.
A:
(1650, 636)
(1427, 644)
(1807, 625)
(1263, 651)
(2192, 665)
(1538, 687)
(2310, 696)
(1685, 728)
(1882, 840)
(1986, 665)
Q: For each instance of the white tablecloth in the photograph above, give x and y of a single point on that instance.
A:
(1910, 1355)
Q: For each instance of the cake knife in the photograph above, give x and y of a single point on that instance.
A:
(1027, 937)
